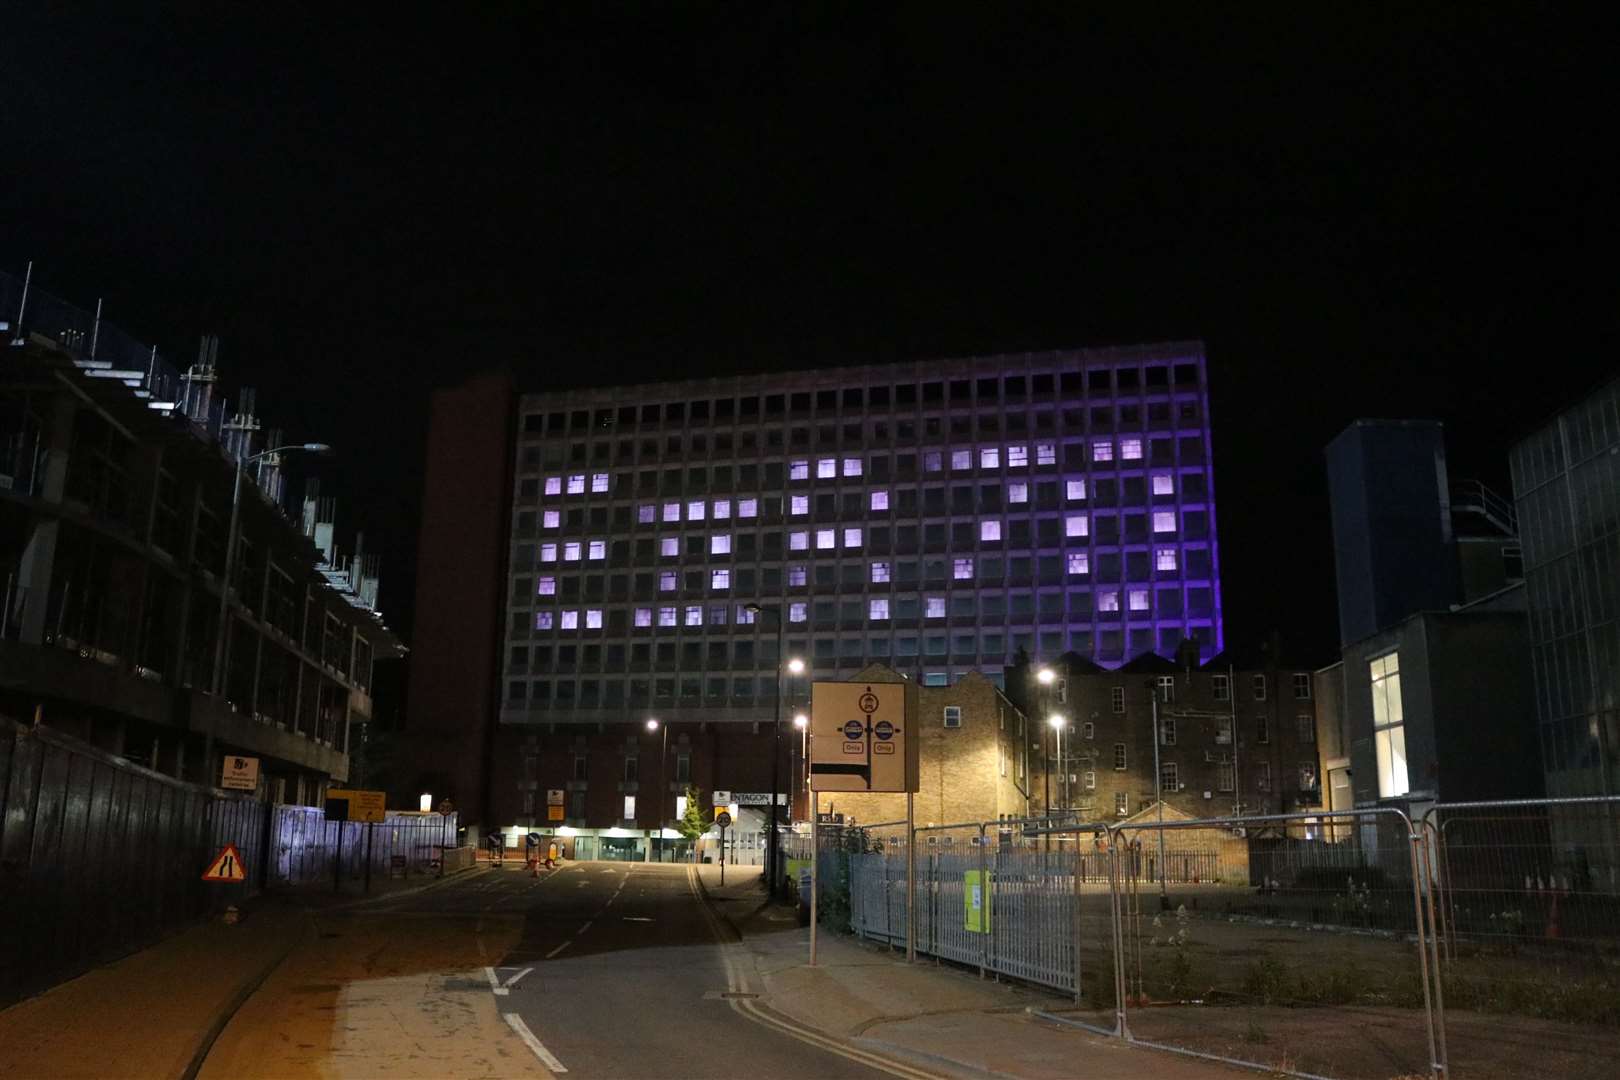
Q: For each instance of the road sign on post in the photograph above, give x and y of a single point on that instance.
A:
(861, 738)
(342, 805)
(227, 867)
(239, 773)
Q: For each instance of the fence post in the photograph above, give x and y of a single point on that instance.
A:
(985, 918)
(1075, 916)
(1121, 1023)
(1437, 1067)
(1442, 1060)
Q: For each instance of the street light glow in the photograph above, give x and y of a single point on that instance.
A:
(796, 666)
(1045, 676)
(652, 725)
(1056, 720)
(801, 721)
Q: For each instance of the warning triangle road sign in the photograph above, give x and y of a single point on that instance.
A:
(227, 866)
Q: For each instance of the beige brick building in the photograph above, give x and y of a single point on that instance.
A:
(975, 760)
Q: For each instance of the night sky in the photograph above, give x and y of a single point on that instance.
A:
(1392, 213)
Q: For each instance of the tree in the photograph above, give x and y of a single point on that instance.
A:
(692, 823)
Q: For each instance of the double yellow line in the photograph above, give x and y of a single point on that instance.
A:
(737, 983)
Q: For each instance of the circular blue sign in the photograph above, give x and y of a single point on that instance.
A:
(853, 729)
(883, 730)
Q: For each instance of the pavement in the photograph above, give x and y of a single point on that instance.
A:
(594, 969)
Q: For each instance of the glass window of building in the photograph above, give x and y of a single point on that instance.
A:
(852, 466)
(719, 579)
(990, 457)
(548, 552)
(1108, 601)
(599, 482)
(1075, 490)
(597, 549)
(553, 485)
(747, 508)
(1079, 562)
(1164, 521)
(1018, 492)
(1017, 457)
(593, 619)
(576, 484)
(880, 500)
(570, 620)
(546, 585)
(1137, 599)
(672, 511)
(1164, 484)
(646, 514)
(933, 461)
(962, 569)
(1046, 453)
(799, 541)
(880, 572)
(989, 530)
(694, 615)
(826, 468)
(826, 539)
(797, 576)
(1130, 449)
(720, 544)
(798, 611)
(1165, 559)
(571, 551)
(1076, 525)
(551, 519)
(934, 607)
(666, 581)
(668, 616)
(1389, 726)
(669, 546)
(877, 608)
(1102, 450)
(543, 620)
(643, 616)
(799, 470)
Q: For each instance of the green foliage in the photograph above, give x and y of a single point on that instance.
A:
(693, 824)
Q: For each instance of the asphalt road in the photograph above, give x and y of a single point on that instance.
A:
(618, 971)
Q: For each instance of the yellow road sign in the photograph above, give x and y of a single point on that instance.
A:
(361, 805)
(227, 866)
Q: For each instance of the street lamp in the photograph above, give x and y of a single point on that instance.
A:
(663, 756)
(221, 628)
(802, 722)
(771, 839)
(1045, 677)
(1056, 723)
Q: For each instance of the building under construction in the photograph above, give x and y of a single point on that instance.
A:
(123, 480)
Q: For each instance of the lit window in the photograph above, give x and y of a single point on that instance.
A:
(962, 569)
(933, 461)
(553, 485)
(1088, 780)
(1164, 484)
(1164, 521)
(852, 537)
(1108, 601)
(989, 530)
(666, 581)
(720, 544)
(852, 466)
(543, 620)
(1166, 559)
(1079, 562)
(694, 615)
(629, 808)
(990, 457)
(1137, 599)
(597, 549)
(798, 611)
(695, 509)
(719, 579)
(576, 484)
(643, 616)
(672, 511)
(547, 586)
(669, 545)
(961, 459)
(593, 618)
(1389, 726)
(599, 482)
(1076, 525)
(1018, 493)
(799, 470)
(1102, 450)
(796, 575)
(1046, 453)
(745, 617)
(747, 508)
(934, 607)
(722, 509)
(880, 500)
(826, 539)
(550, 519)
(548, 552)
(877, 608)
(647, 514)
(571, 551)
(570, 620)
(798, 504)
(1076, 490)
(826, 468)
(880, 572)
(1017, 457)
(1130, 449)
(798, 541)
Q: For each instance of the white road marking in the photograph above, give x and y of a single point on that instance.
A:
(584, 928)
(547, 1058)
(635, 918)
(494, 983)
(559, 948)
(513, 980)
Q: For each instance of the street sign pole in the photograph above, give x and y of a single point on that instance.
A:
(815, 867)
(911, 879)
(371, 827)
(337, 858)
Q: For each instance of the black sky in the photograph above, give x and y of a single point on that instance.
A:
(1366, 211)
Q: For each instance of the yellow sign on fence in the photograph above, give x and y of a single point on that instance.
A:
(361, 805)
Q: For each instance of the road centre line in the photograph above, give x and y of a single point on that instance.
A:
(494, 983)
(547, 1058)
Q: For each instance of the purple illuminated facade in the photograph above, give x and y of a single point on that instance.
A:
(936, 517)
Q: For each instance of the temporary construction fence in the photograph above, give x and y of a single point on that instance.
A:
(310, 849)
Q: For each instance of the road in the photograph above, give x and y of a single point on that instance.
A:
(596, 970)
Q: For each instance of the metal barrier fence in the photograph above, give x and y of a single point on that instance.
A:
(306, 845)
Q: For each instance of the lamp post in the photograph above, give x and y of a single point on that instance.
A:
(802, 780)
(663, 756)
(771, 840)
(1056, 722)
(1158, 794)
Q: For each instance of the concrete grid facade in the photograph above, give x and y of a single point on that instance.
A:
(934, 517)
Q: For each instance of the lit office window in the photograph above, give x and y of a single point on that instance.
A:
(570, 620)
(553, 485)
(550, 519)
(672, 511)
(826, 468)
(1108, 601)
(933, 461)
(797, 576)
(668, 616)
(596, 549)
(961, 459)
(799, 470)
(1164, 484)
(1017, 457)
(826, 539)
(1018, 492)
(1130, 449)
(1075, 490)
(720, 544)
(1079, 562)
(880, 573)
(745, 617)
(547, 586)
(747, 508)
(1076, 525)
(1046, 453)
(989, 530)
(798, 611)
(576, 484)
(962, 569)
(852, 537)
(1389, 726)
(571, 550)
(666, 581)
(1137, 599)
(719, 579)
(647, 514)
(543, 620)
(694, 615)
(934, 607)
(548, 552)
(643, 616)
(880, 500)
(1102, 450)
(1164, 521)
(798, 505)
(593, 618)
(722, 509)
(990, 457)
(669, 546)
(1166, 559)
(798, 541)
(599, 482)
(695, 509)
(852, 466)
(877, 609)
